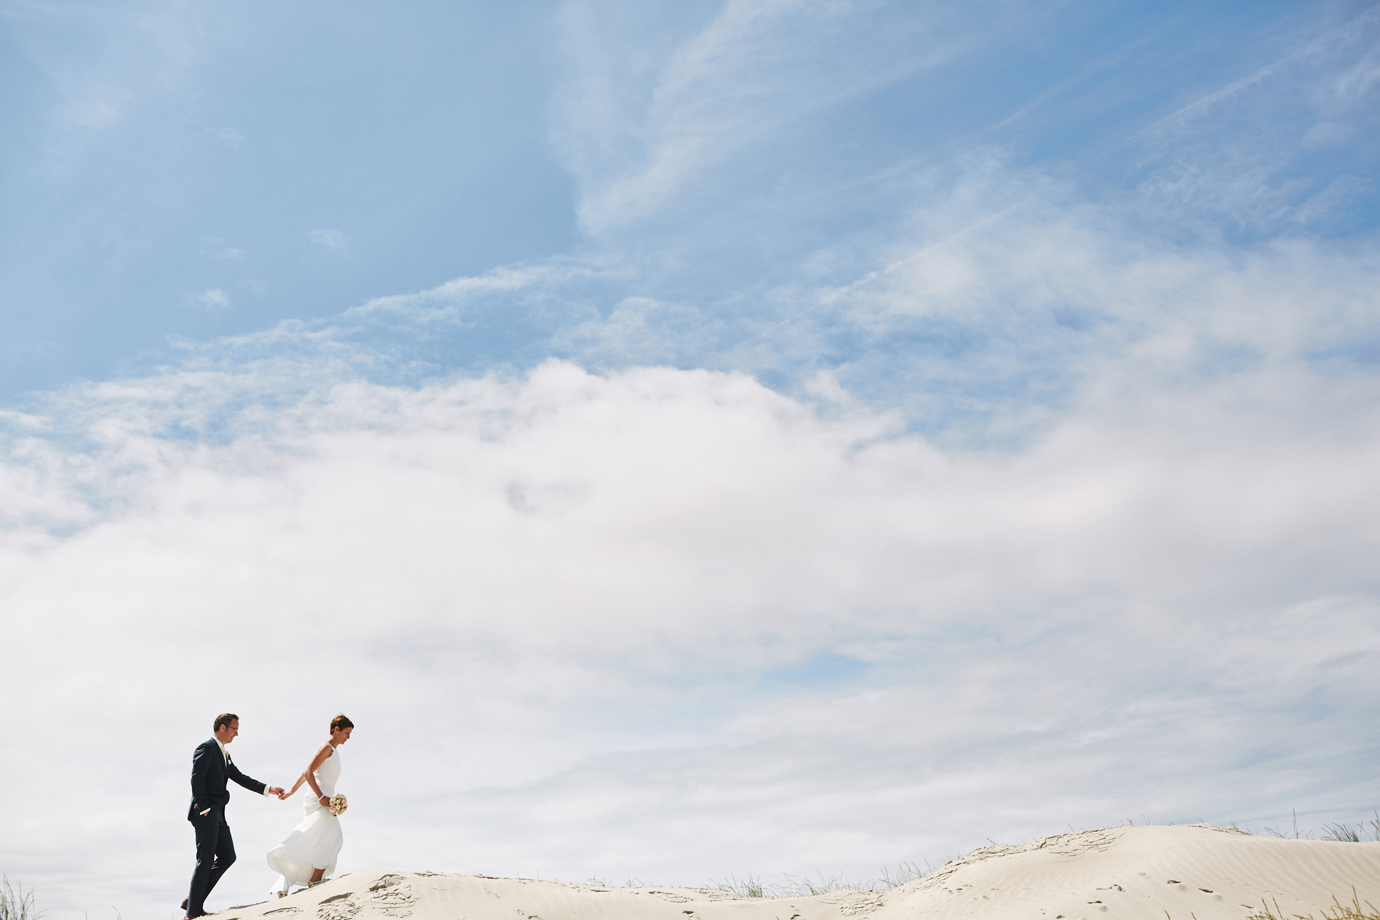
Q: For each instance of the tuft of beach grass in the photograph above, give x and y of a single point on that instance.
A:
(804, 886)
(1338, 911)
(16, 905)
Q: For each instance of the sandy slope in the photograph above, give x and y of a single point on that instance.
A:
(1136, 872)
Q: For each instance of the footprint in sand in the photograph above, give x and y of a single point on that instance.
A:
(392, 896)
(338, 907)
(669, 896)
(852, 906)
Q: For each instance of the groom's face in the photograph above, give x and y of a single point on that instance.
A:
(226, 733)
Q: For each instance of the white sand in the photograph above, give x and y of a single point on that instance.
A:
(1136, 872)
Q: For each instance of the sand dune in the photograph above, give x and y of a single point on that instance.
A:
(1191, 872)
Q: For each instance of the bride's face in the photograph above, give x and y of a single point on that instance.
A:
(340, 735)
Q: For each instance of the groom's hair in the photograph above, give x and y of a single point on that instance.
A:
(225, 718)
(341, 721)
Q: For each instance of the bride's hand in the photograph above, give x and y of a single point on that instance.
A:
(325, 801)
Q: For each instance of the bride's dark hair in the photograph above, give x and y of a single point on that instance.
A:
(341, 721)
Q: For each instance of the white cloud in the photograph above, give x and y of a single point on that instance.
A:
(330, 240)
(214, 299)
(550, 602)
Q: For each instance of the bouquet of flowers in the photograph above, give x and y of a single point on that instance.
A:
(338, 804)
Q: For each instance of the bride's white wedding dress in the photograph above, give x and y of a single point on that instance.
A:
(315, 843)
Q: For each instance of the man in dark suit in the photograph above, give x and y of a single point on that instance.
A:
(215, 849)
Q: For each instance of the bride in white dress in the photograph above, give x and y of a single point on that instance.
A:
(308, 854)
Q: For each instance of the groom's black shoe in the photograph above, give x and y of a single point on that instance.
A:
(183, 905)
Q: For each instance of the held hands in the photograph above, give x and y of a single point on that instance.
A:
(276, 790)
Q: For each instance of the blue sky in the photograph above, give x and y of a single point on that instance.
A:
(688, 439)
(196, 171)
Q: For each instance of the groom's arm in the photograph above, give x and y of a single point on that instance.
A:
(253, 785)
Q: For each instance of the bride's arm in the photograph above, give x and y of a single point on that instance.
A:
(308, 776)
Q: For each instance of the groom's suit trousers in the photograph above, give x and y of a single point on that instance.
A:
(215, 851)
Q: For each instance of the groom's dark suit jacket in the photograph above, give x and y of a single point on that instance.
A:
(210, 772)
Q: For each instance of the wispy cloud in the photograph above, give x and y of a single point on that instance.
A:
(1245, 165)
(1322, 49)
(1008, 288)
(329, 240)
(442, 301)
(230, 137)
(217, 249)
(101, 107)
(213, 299)
(636, 127)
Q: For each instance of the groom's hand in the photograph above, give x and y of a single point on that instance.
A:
(275, 790)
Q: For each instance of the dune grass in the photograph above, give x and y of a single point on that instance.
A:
(750, 886)
(1353, 833)
(793, 886)
(1361, 831)
(1338, 911)
(803, 886)
(16, 905)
